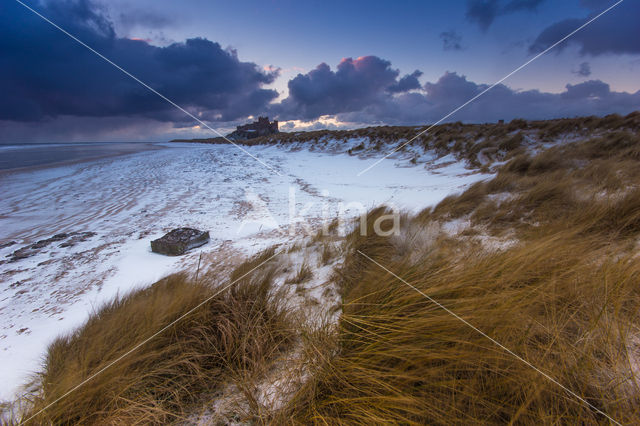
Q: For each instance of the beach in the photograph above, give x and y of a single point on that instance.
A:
(112, 207)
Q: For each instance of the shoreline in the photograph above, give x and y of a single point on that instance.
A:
(136, 147)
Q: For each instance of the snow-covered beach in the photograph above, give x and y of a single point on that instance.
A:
(128, 200)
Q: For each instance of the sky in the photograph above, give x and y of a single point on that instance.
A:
(309, 64)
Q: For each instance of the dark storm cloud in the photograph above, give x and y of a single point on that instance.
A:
(406, 83)
(143, 18)
(616, 32)
(451, 40)
(584, 70)
(44, 74)
(355, 84)
(484, 12)
(331, 95)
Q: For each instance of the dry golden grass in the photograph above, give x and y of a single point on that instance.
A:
(163, 380)
(459, 205)
(304, 273)
(566, 303)
(567, 184)
(467, 142)
(328, 253)
(566, 298)
(262, 258)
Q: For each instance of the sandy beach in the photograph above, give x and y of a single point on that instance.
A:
(112, 207)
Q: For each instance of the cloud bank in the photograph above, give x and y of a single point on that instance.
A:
(358, 91)
(355, 84)
(41, 81)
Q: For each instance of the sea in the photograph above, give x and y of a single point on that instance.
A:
(24, 156)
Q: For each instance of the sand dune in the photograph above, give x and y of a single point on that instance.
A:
(127, 201)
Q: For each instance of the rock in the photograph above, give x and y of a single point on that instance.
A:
(70, 239)
(179, 240)
(77, 237)
(8, 244)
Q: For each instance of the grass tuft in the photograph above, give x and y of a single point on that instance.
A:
(303, 274)
(162, 381)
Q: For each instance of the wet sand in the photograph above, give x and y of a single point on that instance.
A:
(20, 158)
